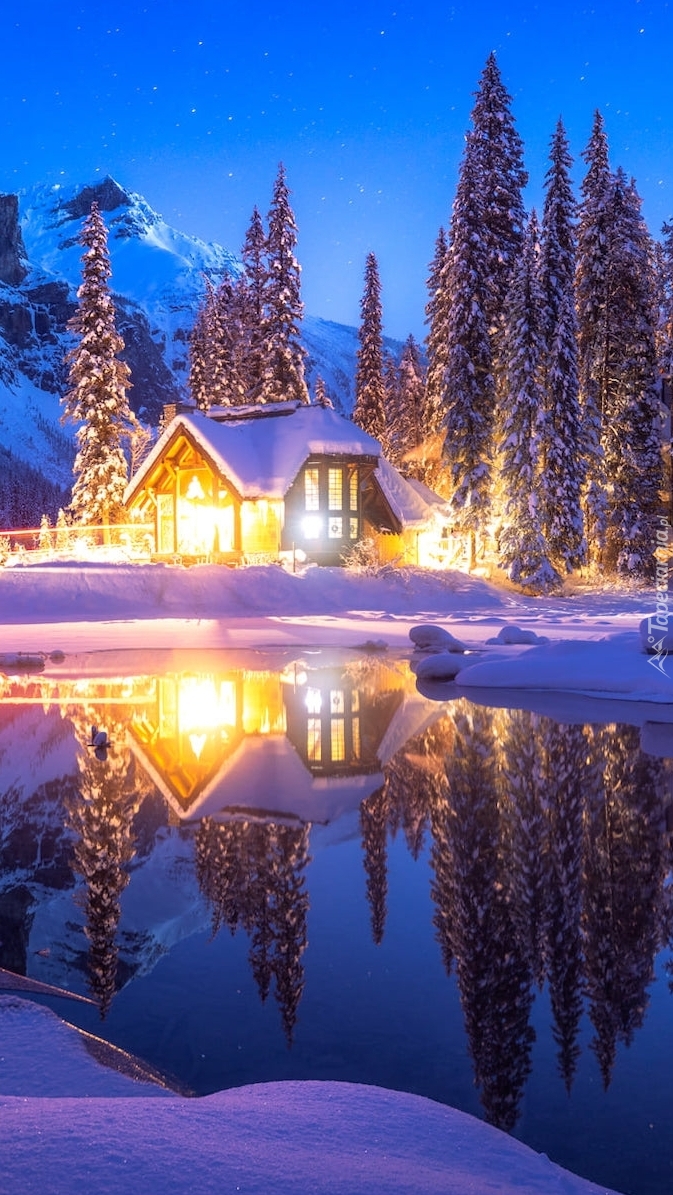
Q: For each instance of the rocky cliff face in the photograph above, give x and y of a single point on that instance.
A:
(13, 264)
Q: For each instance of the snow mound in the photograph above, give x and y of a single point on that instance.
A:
(287, 1138)
(612, 667)
(428, 637)
(443, 665)
(511, 634)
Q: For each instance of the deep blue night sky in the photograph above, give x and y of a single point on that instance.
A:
(194, 104)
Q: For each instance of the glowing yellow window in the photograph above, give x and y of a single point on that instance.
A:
(353, 490)
(337, 702)
(335, 488)
(338, 739)
(312, 489)
(314, 740)
(356, 738)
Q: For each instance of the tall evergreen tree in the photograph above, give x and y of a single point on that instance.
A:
(283, 364)
(254, 260)
(498, 149)
(97, 397)
(522, 548)
(369, 412)
(561, 446)
(593, 314)
(436, 313)
(411, 411)
(468, 397)
(631, 423)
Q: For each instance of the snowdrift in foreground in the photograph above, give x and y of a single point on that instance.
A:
(613, 666)
(118, 1138)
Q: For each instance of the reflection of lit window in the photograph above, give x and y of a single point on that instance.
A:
(311, 489)
(313, 701)
(338, 739)
(314, 740)
(356, 738)
(334, 489)
(354, 528)
(337, 704)
(335, 530)
(311, 527)
(353, 490)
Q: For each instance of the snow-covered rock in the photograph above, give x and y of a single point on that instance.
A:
(511, 634)
(429, 637)
(442, 665)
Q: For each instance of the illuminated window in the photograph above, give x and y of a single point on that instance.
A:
(338, 739)
(335, 527)
(353, 489)
(354, 528)
(335, 488)
(314, 740)
(355, 701)
(312, 489)
(356, 738)
(313, 701)
(337, 704)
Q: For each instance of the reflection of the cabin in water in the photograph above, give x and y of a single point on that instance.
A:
(266, 741)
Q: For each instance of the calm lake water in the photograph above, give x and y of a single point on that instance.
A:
(296, 866)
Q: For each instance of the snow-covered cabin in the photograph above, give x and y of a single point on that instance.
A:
(246, 483)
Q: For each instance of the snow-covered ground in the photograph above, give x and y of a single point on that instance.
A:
(67, 1124)
(594, 645)
(89, 1128)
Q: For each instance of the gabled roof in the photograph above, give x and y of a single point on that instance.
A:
(261, 449)
(412, 503)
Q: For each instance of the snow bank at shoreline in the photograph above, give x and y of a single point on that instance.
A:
(120, 1137)
(593, 645)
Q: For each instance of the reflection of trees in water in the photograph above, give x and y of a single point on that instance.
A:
(548, 866)
(569, 775)
(524, 840)
(493, 975)
(624, 874)
(374, 828)
(101, 815)
(252, 875)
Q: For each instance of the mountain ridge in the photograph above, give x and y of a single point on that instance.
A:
(158, 281)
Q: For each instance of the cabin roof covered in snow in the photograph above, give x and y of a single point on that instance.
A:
(261, 449)
(411, 502)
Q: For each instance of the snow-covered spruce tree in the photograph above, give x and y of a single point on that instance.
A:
(593, 316)
(468, 396)
(631, 432)
(253, 256)
(521, 546)
(391, 404)
(370, 398)
(436, 313)
(561, 443)
(411, 410)
(283, 352)
(498, 151)
(231, 343)
(98, 384)
(199, 347)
